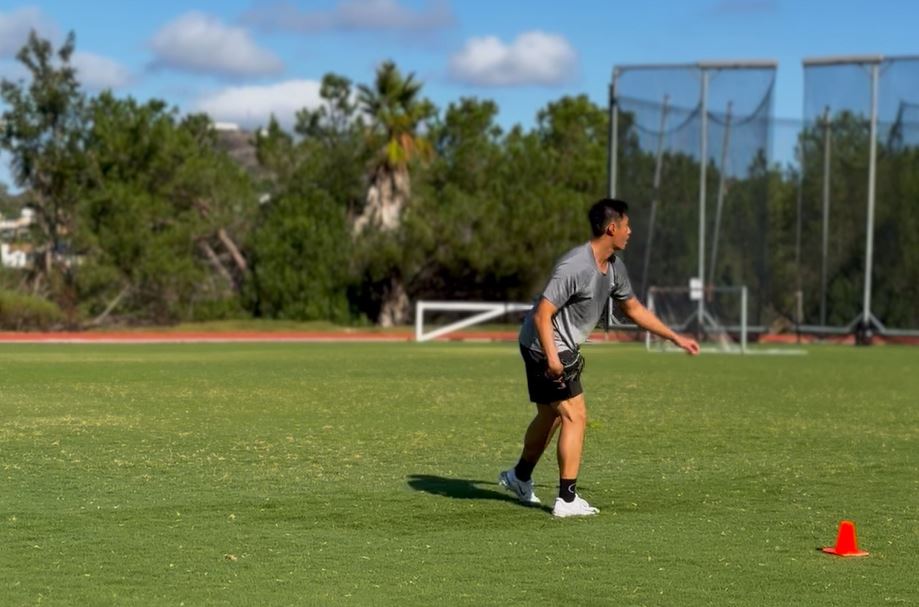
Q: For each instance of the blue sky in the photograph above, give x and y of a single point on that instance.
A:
(242, 59)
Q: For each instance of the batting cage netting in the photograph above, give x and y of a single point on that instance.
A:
(859, 146)
(665, 121)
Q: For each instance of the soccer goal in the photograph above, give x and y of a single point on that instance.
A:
(480, 312)
(716, 314)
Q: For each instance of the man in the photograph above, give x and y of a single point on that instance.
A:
(564, 316)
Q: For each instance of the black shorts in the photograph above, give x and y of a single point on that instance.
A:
(544, 390)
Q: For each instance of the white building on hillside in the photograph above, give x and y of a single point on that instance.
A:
(13, 254)
(14, 226)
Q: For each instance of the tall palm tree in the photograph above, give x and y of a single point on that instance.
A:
(395, 111)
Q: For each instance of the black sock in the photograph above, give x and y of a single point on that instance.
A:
(524, 470)
(566, 488)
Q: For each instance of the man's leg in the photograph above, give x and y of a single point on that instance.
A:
(573, 416)
(519, 479)
(537, 438)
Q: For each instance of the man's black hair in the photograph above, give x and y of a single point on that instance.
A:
(604, 212)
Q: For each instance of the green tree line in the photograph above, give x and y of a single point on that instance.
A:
(372, 201)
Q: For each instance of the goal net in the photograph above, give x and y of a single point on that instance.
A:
(720, 322)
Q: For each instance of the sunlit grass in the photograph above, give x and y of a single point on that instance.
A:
(364, 474)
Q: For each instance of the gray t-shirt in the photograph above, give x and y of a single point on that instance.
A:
(580, 292)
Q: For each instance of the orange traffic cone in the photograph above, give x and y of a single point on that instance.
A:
(846, 545)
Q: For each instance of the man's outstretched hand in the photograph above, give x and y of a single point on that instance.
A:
(688, 344)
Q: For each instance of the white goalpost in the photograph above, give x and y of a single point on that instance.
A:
(676, 306)
(482, 312)
(724, 329)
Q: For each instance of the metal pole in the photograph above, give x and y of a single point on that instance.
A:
(743, 319)
(613, 135)
(655, 196)
(724, 163)
(872, 173)
(703, 162)
(799, 295)
(825, 243)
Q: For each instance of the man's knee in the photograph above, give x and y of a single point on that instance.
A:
(573, 411)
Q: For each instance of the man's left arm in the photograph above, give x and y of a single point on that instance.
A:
(646, 319)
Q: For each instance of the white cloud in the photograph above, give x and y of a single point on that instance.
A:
(200, 43)
(96, 72)
(532, 58)
(15, 27)
(252, 106)
(365, 15)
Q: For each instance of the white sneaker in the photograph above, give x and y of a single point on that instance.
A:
(578, 507)
(523, 490)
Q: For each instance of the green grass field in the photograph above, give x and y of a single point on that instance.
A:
(356, 474)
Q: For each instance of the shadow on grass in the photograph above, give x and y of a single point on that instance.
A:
(460, 488)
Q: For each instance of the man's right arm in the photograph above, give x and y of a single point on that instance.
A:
(542, 319)
(646, 319)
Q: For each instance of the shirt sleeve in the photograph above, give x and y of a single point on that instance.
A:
(562, 285)
(622, 286)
